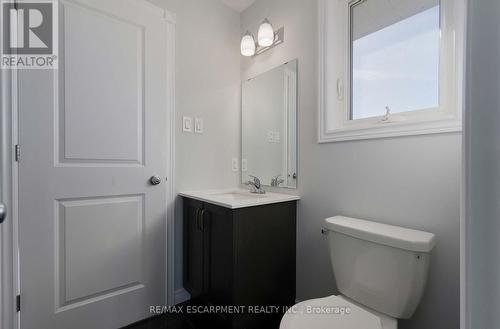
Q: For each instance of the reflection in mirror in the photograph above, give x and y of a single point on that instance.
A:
(394, 56)
(269, 127)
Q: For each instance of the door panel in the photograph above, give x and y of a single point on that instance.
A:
(92, 227)
(115, 224)
(110, 51)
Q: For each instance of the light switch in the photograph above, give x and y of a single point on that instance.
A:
(234, 165)
(187, 124)
(244, 165)
(198, 125)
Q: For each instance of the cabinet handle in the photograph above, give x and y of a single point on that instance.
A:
(197, 218)
(202, 220)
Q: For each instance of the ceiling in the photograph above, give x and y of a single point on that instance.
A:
(238, 5)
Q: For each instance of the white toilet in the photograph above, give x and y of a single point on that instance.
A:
(380, 272)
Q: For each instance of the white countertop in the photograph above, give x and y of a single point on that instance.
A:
(238, 198)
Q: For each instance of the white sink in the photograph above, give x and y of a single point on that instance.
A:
(240, 195)
(238, 198)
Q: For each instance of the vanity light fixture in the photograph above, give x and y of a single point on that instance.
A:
(267, 38)
(248, 45)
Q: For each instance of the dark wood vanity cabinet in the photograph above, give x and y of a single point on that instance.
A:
(242, 256)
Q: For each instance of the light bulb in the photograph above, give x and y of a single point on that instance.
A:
(248, 45)
(266, 34)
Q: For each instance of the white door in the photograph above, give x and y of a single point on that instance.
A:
(92, 226)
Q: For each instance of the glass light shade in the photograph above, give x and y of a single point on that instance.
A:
(266, 34)
(247, 45)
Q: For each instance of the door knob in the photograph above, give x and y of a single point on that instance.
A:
(155, 180)
(3, 212)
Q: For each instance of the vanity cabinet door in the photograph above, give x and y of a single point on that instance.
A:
(193, 248)
(208, 251)
(218, 226)
(265, 254)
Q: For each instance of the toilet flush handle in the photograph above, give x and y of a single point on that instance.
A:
(3, 212)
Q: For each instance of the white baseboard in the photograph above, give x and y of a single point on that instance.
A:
(181, 295)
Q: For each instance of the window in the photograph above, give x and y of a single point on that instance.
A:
(396, 66)
(389, 68)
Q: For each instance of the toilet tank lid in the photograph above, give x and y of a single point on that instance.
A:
(390, 235)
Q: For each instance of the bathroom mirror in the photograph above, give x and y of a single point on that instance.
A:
(269, 127)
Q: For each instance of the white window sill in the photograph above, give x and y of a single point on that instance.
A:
(391, 129)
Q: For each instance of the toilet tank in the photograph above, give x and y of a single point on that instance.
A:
(381, 266)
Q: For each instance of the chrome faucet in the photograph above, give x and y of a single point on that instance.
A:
(256, 185)
(276, 181)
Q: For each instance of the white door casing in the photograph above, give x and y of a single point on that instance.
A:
(8, 229)
(91, 226)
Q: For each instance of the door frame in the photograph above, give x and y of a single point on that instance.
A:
(9, 274)
(9, 246)
(171, 184)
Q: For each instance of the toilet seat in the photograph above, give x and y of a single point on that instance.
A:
(334, 312)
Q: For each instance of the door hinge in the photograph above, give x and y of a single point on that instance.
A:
(18, 152)
(18, 303)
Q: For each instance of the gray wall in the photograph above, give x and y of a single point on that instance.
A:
(207, 86)
(410, 181)
(483, 165)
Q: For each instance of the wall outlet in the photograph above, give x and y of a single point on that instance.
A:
(198, 125)
(244, 165)
(187, 124)
(235, 165)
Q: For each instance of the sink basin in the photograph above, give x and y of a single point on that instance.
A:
(240, 195)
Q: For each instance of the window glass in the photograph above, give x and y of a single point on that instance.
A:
(394, 56)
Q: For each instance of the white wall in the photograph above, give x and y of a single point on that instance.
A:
(483, 165)
(207, 86)
(409, 181)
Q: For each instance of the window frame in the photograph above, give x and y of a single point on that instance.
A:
(335, 79)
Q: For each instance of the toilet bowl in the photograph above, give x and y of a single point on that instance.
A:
(380, 271)
(334, 312)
